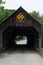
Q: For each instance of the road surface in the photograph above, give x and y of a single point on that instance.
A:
(21, 58)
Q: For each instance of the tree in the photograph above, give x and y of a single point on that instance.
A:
(1, 2)
(2, 7)
(5, 13)
(36, 15)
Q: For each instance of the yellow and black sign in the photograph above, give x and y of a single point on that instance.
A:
(20, 16)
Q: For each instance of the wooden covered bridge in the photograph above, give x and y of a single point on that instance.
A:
(20, 23)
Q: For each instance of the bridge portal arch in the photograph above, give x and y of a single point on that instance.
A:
(20, 23)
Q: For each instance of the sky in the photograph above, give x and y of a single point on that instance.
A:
(28, 5)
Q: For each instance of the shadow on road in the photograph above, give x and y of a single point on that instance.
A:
(20, 50)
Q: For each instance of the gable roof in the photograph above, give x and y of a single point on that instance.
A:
(20, 8)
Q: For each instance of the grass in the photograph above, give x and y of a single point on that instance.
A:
(41, 52)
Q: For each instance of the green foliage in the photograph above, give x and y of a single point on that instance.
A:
(41, 52)
(18, 38)
(42, 34)
(4, 13)
(36, 15)
(1, 7)
(1, 2)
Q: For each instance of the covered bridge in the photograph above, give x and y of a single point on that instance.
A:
(20, 23)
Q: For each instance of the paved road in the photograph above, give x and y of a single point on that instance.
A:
(21, 58)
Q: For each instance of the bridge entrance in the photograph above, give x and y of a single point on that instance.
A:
(20, 23)
(9, 37)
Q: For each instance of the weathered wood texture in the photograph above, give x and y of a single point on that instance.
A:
(12, 21)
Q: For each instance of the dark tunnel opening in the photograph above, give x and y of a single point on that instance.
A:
(10, 34)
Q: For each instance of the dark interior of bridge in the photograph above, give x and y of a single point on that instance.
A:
(11, 32)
